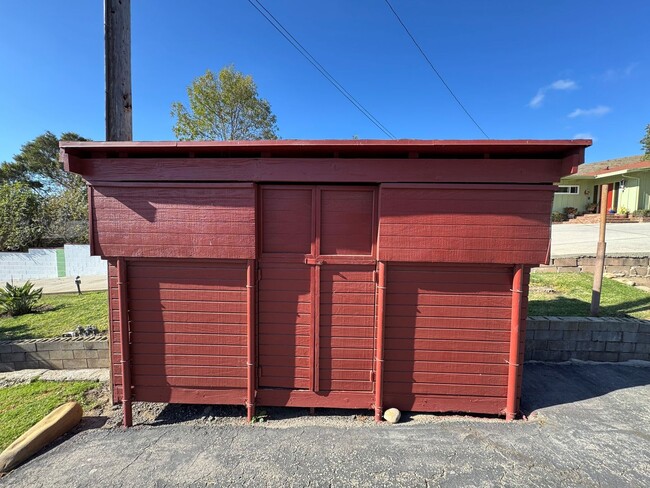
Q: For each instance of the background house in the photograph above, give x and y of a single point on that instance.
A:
(627, 180)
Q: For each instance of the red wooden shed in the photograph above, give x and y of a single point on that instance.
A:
(357, 274)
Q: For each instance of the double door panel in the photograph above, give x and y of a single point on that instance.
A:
(317, 288)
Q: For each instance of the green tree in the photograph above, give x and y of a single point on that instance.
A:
(645, 142)
(226, 107)
(21, 217)
(38, 166)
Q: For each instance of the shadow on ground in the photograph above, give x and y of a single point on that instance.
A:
(547, 385)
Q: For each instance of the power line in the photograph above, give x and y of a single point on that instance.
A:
(435, 70)
(307, 55)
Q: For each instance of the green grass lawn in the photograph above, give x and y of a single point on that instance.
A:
(22, 406)
(66, 313)
(571, 296)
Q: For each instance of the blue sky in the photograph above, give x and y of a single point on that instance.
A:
(525, 70)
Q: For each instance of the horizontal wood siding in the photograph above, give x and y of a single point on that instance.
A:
(467, 224)
(188, 327)
(347, 295)
(447, 332)
(162, 221)
(284, 325)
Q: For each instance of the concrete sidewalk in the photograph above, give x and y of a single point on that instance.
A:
(629, 239)
(590, 427)
(67, 285)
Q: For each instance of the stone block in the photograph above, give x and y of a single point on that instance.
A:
(27, 365)
(581, 355)
(642, 347)
(590, 346)
(607, 357)
(577, 335)
(49, 346)
(544, 269)
(628, 356)
(62, 354)
(6, 348)
(567, 269)
(559, 355)
(539, 355)
(630, 336)
(98, 363)
(562, 345)
(607, 335)
(587, 262)
(53, 363)
(619, 347)
(74, 345)
(75, 364)
(618, 270)
(23, 347)
(587, 269)
(12, 357)
(37, 356)
(537, 324)
(94, 345)
(548, 335)
(629, 261)
(565, 262)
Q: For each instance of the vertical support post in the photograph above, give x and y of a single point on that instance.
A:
(117, 58)
(379, 353)
(250, 339)
(515, 330)
(600, 255)
(125, 359)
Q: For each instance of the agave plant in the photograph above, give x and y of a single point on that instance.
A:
(19, 300)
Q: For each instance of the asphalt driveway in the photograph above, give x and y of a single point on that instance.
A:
(590, 426)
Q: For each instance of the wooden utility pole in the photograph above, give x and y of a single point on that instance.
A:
(600, 255)
(117, 45)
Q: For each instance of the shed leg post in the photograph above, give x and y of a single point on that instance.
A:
(124, 342)
(512, 406)
(127, 412)
(250, 339)
(379, 358)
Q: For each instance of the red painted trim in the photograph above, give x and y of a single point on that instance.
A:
(91, 218)
(468, 186)
(315, 306)
(147, 184)
(512, 407)
(250, 338)
(379, 348)
(122, 299)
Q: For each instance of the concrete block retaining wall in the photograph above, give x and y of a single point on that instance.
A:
(632, 266)
(587, 338)
(60, 353)
(72, 260)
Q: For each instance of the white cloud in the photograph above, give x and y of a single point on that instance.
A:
(584, 135)
(619, 74)
(563, 85)
(559, 85)
(590, 112)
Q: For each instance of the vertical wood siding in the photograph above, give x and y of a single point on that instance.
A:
(447, 337)
(188, 327)
(209, 221)
(464, 225)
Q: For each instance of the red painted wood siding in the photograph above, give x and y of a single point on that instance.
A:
(285, 325)
(188, 328)
(114, 331)
(347, 221)
(286, 220)
(347, 327)
(447, 331)
(205, 221)
(464, 224)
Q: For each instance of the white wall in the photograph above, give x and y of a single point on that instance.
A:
(79, 262)
(42, 263)
(21, 266)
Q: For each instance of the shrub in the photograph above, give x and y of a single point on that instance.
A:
(558, 217)
(623, 211)
(19, 300)
(641, 213)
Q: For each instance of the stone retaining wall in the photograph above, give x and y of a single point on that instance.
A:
(617, 266)
(59, 353)
(547, 339)
(587, 338)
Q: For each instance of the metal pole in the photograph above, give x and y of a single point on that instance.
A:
(600, 255)
(515, 330)
(117, 58)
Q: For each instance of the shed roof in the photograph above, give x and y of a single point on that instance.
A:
(345, 148)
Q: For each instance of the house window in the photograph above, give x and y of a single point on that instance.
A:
(571, 189)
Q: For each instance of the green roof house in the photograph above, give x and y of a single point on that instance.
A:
(627, 180)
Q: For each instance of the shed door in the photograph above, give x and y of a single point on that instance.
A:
(317, 288)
